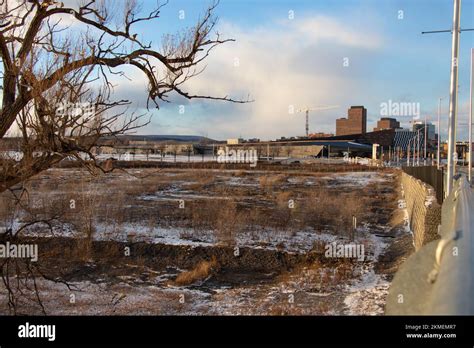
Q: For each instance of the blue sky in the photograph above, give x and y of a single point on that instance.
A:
(298, 62)
(336, 52)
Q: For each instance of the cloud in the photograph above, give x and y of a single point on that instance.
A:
(326, 29)
(283, 65)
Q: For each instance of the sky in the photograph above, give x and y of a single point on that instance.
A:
(293, 54)
(297, 54)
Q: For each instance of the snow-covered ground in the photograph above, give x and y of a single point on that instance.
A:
(309, 291)
(366, 295)
(259, 237)
(264, 238)
(356, 179)
(315, 289)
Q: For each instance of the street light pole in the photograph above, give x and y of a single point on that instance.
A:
(418, 148)
(414, 152)
(470, 117)
(453, 95)
(408, 153)
(438, 154)
(307, 123)
(424, 157)
(453, 91)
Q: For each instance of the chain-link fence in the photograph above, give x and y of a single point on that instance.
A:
(430, 175)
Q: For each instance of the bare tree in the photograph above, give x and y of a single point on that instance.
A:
(56, 83)
(51, 71)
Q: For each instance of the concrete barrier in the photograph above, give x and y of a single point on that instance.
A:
(439, 278)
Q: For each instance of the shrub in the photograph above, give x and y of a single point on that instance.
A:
(203, 270)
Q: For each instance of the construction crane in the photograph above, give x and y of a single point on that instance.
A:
(317, 108)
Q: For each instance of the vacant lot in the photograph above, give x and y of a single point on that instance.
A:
(205, 241)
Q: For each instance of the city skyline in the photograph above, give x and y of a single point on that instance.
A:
(361, 53)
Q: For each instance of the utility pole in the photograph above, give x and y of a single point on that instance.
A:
(424, 157)
(455, 31)
(307, 122)
(408, 152)
(453, 95)
(470, 116)
(438, 152)
(418, 147)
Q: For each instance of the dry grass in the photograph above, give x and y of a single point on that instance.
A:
(240, 173)
(283, 198)
(202, 271)
(283, 215)
(268, 182)
(114, 201)
(228, 222)
(7, 208)
(222, 216)
(334, 210)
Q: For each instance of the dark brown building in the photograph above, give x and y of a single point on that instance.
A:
(355, 123)
(387, 123)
